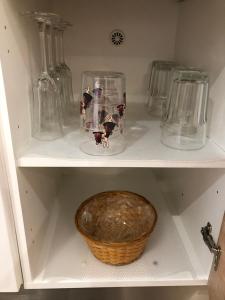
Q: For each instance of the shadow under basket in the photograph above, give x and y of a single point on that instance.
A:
(122, 252)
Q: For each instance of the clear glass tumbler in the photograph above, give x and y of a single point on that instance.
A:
(159, 86)
(102, 110)
(102, 88)
(185, 122)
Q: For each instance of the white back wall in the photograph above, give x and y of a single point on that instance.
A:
(149, 26)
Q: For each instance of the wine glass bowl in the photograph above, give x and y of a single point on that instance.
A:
(47, 124)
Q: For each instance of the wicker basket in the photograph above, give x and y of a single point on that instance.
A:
(122, 252)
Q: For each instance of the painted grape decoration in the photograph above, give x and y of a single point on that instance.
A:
(109, 127)
(121, 109)
(87, 100)
(98, 137)
(106, 122)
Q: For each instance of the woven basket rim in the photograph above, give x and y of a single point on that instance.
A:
(114, 244)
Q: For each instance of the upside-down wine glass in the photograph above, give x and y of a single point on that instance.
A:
(46, 123)
(68, 105)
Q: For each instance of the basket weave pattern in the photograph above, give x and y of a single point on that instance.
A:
(110, 252)
(118, 254)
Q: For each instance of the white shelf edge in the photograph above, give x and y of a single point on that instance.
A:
(49, 162)
(57, 284)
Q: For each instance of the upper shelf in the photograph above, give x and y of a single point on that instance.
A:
(144, 149)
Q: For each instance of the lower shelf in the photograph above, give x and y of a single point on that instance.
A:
(66, 262)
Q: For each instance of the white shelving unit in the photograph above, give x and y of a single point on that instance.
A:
(48, 180)
(144, 149)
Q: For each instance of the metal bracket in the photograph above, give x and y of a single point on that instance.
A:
(209, 241)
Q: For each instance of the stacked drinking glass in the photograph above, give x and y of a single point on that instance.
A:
(53, 107)
(178, 95)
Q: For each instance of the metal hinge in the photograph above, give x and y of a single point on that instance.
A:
(209, 241)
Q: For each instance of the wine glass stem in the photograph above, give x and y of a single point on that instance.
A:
(42, 35)
(57, 47)
(51, 53)
(61, 48)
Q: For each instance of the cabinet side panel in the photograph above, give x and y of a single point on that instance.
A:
(16, 60)
(201, 43)
(198, 196)
(14, 109)
(10, 271)
(8, 158)
(38, 189)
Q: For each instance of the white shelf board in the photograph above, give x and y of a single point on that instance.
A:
(66, 261)
(144, 149)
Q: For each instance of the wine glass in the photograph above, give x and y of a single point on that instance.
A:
(46, 108)
(68, 104)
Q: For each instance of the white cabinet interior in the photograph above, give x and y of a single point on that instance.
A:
(190, 32)
(45, 199)
(176, 254)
